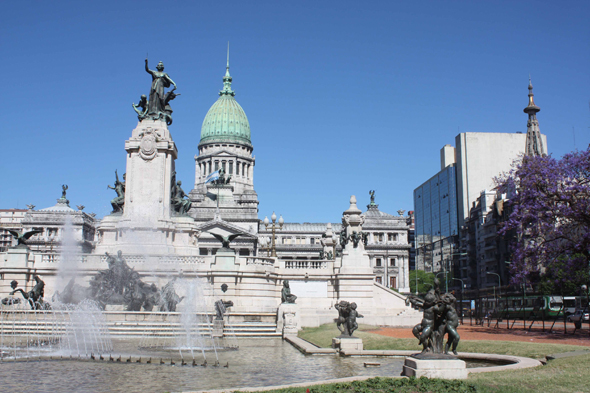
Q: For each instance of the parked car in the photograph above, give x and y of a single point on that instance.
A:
(576, 317)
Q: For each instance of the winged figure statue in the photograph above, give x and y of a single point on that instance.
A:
(23, 237)
(225, 240)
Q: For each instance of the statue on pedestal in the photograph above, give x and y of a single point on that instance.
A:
(225, 240)
(347, 315)
(157, 107)
(286, 295)
(440, 318)
(21, 238)
(177, 197)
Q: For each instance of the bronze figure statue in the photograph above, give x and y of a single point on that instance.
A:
(35, 295)
(347, 315)
(143, 104)
(372, 194)
(343, 238)
(440, 318)
(119, 188)
(158, 105)
(221, 307)
(7, 301)
(225, 240)
(356, 238)
(223, 179)
(177, 197)
(64, 188)
(286, 295)
(21, 238)
(169, 297)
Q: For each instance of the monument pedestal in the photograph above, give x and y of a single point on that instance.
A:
(217, 329)
(288, 318)
(225, 259)
(347, 343)
(435, 368)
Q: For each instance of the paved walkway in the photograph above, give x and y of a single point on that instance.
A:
(517, 333)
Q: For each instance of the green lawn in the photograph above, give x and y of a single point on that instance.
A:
(322, 337)
(570, 374)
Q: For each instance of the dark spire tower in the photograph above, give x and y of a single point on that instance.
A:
(534, 143)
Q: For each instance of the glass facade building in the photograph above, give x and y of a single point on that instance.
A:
(436, 220)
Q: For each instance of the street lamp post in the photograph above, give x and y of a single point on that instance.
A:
(499, 286)
(461, 300)
(273, 252)
(585, 290)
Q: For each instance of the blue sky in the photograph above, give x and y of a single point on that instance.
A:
(342, 96)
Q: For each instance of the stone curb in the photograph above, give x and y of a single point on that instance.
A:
(518, 362)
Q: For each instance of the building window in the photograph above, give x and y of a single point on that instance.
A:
(380, 238)
(392, 237)
(223, 165)
(392, 262)
(216, 165)
(312, 240)
(378, 262)
(237, 168)
(244, 252)
(379, 279)
(231, 167)
(392, 282)
(202, 251)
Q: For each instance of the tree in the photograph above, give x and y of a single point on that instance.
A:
(549, 210)
(425, 281)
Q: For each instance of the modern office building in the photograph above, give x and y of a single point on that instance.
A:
(435, 212)
(466, 181)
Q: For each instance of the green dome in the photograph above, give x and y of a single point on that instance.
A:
(226, 121)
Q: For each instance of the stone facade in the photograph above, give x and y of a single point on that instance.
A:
(10, 219)
(157, 242)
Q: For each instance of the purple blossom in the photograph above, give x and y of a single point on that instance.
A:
(549, 205)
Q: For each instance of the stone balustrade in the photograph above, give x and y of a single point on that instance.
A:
(130, 259)
(296, 264)
(260, 261)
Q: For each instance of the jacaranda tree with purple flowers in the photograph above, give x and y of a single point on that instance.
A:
(549, 211)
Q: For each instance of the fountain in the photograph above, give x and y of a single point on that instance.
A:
(64, 330)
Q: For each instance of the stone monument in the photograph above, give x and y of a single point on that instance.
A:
(288, 315)
(355, 274)
(149, 212)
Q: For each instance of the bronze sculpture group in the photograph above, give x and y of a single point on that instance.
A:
(158, 105)
(34, 297)
(440, 318)
(121, 285)
(347, 315)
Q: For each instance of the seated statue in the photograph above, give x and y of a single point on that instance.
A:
(286, 296)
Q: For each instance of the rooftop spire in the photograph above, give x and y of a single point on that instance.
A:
(227, 79)
(531, 107)
(534, 142)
